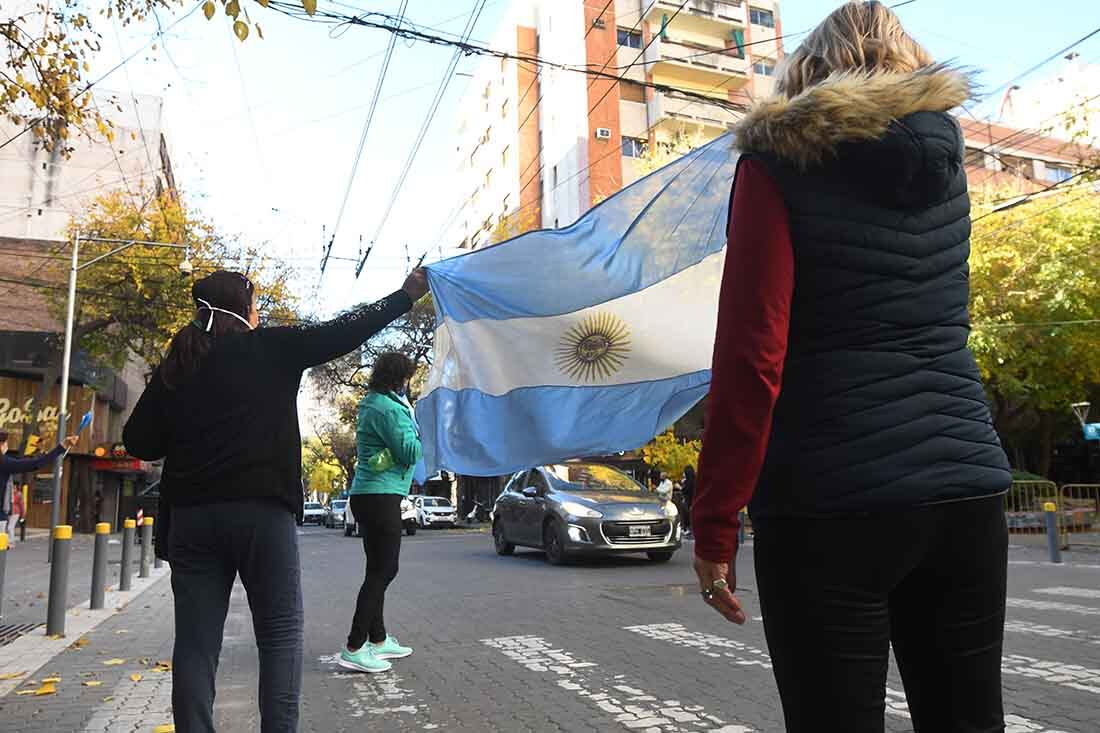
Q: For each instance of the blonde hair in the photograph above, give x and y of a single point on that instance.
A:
(865, 37)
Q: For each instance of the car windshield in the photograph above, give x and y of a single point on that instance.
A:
(437, 502)
(338, 504)
(312, 505)
(590, 477)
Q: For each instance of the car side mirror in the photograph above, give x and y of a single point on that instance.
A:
(531, 492)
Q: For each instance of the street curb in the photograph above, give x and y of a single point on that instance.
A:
(35, 650)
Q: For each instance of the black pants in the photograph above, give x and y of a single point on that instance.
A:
(379, 516)
(207, 547)
(836, 593)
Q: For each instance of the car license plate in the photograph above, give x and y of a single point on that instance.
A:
(642, 531)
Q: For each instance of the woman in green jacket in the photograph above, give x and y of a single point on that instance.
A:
(389, 448)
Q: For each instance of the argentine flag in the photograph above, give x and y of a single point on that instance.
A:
(581, 341)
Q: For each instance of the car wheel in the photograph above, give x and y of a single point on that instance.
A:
(553, 543)
(660, 556)
(347, 529)
(502, 545)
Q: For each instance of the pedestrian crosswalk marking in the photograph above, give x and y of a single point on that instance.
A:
(1069, 591)
(1052, 606)
(632, 706)
(1020, 627)
(1072, 676)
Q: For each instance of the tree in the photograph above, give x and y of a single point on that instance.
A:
(514, 224)
(662, 152)
(47, 53)
(1035, 276)
(670, 455)
(321, 471)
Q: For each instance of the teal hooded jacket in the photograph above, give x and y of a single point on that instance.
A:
(385, 421)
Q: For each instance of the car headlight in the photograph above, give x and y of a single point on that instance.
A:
(671, 510)
(579, 510)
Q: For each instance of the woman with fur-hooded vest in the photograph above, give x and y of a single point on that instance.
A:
(845, 409)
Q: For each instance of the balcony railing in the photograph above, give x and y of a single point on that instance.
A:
(724, 12)
(672, 107)
(716, 62)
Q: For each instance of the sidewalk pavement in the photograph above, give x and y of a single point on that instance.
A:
(27, 579)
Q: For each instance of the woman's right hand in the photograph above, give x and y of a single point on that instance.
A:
(70, 442)
(416, 284)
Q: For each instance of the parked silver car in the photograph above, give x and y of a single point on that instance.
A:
(584, 508)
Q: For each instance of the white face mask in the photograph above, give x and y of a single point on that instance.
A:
(210, 323)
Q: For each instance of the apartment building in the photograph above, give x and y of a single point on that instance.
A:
(538, 145)
(1016, 160)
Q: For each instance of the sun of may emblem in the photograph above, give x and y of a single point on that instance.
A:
(595, 348)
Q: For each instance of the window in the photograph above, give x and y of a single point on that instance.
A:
(504, 110)
(504, 157)
(1057, 174)
(764, 67)
(630, 39)
(634, 147)
(488, 178)
(762, 17)
(538, 481)
(555, 177)
(630, 91)
(504, 207)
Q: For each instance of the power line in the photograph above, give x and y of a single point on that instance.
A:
(448, 75)
(1044, 62)
(363, 136)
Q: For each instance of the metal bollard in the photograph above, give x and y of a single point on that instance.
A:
(99, 565)
(59, 581)
(128, 527)
(146, 547)
(1049, 510)
(3, 567)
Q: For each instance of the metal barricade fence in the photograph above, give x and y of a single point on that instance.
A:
(1024, 509)
(1079, 515)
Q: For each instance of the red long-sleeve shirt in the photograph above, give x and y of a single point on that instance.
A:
(749, 350)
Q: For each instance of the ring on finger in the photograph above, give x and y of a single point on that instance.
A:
(708, 595)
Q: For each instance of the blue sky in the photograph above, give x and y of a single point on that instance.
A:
(266, 151)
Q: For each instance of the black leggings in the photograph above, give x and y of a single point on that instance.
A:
(379, 518)
(836, 593)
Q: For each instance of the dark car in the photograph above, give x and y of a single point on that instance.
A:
(584, 508)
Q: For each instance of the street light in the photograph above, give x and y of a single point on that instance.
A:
(66, 356)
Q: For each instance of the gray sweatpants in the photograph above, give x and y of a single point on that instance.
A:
(208, 546)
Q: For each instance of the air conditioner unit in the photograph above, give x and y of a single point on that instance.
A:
(603, 133)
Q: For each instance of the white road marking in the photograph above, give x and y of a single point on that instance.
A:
(1073, 676)
(712, 645)
(1052, 606)
(709, 645)
(376, 694)
(1020, 627)
(1063, 590)
(616, 695)
(1068, 565)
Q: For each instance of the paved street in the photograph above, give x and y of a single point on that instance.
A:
(512, 644)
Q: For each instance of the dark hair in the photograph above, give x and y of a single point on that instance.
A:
(229, 291)
(391, 371)
(4, 437)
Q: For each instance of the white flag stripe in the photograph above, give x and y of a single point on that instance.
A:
(667, 330)
(1052, 606)
(616, 695)
(1070, 591)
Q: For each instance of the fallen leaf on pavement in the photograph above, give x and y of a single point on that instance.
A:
(135, 677)
(40, 595)
(54, 679)
(47, 688)
(79, 643)
(123, 631)
(169, 728)
(11, 675)
(92, 683)
(26, 692)
(56, 636)
(108, 698)
(144, 661)
(114, 662)
(163, 667)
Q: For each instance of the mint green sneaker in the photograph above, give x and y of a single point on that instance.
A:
(390, 649)
(364, 660)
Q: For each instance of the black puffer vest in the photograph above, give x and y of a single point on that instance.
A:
(882, 405)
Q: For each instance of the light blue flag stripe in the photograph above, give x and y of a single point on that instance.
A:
(668, 221)
(475, 434)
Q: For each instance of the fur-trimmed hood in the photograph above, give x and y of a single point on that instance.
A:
(811, 127)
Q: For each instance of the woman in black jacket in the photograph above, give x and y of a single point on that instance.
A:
(222, 410)
(845, 408)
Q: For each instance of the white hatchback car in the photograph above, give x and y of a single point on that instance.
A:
(435, 511)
